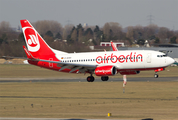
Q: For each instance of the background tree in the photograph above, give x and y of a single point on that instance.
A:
(11, 41)
(80, 35)
(173, 40)
(67, 30)
(141, 42)
(88, 33)
(138, 30)
(157, 40)
(46, 25)
(4, 27)
(97, 35)
(74, 35)
(58, 36)
(112, 31)
(163, 34)
(149, 31)
(49, 33)
(130, 33)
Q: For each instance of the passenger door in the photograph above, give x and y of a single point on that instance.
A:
(149, 58)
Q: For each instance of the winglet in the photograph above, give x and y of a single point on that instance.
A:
(113, 46)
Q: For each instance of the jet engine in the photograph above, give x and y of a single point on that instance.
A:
(105, 71)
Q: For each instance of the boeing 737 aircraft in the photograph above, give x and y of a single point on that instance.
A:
(103, 64)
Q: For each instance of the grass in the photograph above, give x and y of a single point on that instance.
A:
(158, 100)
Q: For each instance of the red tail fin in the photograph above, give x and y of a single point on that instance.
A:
(37, 47)
(28, 53)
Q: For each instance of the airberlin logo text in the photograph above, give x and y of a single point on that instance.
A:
(32, 39)
(132, 57)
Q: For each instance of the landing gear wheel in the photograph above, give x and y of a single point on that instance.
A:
(104, 78)
(156, 75)
(90, 78)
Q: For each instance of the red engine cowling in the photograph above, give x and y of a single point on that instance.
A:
(160, 69)
(105, 71)
(129, 72)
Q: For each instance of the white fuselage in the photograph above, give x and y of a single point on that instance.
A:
(137, 59)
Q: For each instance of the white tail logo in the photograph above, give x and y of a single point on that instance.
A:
(31, 39)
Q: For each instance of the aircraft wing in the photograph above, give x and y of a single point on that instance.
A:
(73, 66)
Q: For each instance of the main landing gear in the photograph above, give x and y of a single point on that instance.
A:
(156, 75)
(90, 78)
(104, 78)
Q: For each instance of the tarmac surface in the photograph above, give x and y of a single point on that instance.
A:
(61, 119)
(145, 79)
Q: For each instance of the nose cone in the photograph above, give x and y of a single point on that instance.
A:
(171, 61)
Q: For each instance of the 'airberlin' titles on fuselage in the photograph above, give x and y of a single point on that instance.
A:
(121, 58)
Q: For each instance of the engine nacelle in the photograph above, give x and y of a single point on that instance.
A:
(160, 69)
(105, 71)
(129, 72)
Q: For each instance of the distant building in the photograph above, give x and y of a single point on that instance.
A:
(85, 25)
(16, 29)
(117, 44)
(100, 48)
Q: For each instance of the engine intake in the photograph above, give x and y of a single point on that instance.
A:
(105, 71)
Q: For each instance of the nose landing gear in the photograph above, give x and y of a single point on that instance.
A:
(156, 75)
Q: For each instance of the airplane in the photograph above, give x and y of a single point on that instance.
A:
(103, 64)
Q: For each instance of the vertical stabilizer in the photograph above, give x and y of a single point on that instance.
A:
(37, 47)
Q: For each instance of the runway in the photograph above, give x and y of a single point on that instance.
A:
(62, 119)
(145, 79)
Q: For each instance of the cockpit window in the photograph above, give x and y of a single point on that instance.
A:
(161, 55)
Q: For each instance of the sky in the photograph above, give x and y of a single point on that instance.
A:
(164, 13)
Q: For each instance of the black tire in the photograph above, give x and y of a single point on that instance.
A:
(90, 78)
(156, 75)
